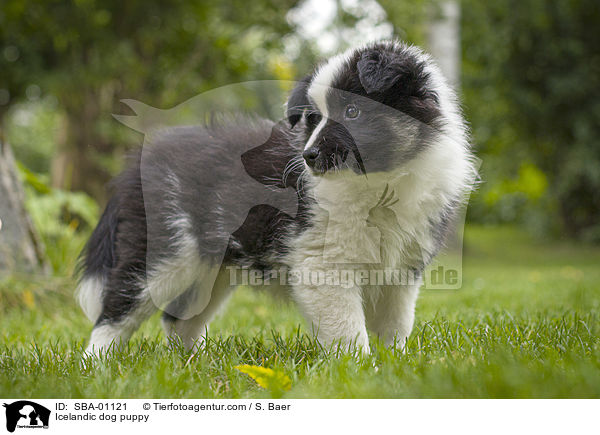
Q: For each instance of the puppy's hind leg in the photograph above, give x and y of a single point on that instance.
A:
(125, 305)
(134, 292)
(180, 322)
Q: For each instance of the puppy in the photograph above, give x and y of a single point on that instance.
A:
(363, 177)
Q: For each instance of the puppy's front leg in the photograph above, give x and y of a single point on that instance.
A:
(336, 313)
(393, 315)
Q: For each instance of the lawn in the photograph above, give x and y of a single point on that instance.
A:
(525, 324)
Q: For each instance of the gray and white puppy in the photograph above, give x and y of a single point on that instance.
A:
(376, 154)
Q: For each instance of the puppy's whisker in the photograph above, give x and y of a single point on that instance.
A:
(292, 166)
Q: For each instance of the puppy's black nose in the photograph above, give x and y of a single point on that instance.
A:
(310, 156)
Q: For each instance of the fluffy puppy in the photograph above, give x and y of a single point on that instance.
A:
(363, 176)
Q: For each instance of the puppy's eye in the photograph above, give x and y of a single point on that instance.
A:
(352, 112)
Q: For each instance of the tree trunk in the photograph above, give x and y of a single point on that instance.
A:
(76, 165)
(444, 39)
(20, 248)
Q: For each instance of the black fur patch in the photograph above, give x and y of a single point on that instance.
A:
(98, 256)
(298, 101)
(392, 77)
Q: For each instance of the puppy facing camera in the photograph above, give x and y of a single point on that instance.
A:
(361, 176)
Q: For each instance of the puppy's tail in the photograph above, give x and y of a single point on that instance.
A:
(96, 261)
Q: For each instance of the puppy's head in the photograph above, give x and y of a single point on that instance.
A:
(370, 109)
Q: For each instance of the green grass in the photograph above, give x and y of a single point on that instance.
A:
(525, 324)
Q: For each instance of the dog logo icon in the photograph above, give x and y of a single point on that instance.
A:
(26, 414)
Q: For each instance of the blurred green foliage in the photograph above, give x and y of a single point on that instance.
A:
(63, 219)
(531, 74)
(33, 131)
(410, 18)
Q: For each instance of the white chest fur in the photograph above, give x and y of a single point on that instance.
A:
(350, 225)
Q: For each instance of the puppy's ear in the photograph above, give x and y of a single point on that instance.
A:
(298, 101)
(379, 70)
